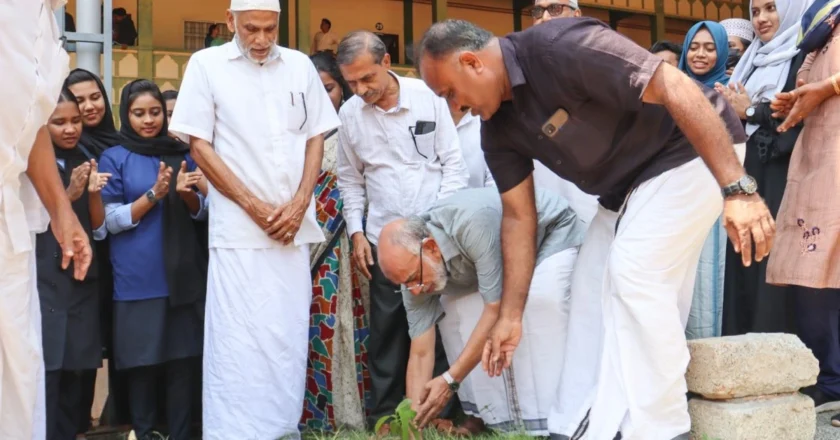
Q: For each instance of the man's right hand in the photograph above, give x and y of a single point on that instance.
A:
(502, 342)
(260, 212)
(362, 255)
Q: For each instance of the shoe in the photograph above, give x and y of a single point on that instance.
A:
(835, 421)
(822, 401)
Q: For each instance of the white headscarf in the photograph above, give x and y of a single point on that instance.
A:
(765, 66)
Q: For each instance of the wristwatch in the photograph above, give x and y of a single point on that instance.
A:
(750, 112)
(745, 185)
(453, 385)
(150, 194)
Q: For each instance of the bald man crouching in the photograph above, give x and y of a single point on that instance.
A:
(458, 286)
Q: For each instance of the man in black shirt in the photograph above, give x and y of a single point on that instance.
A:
(572, 82)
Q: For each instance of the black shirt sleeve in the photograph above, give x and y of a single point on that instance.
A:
(508, 167)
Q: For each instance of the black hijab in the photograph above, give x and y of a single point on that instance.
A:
(74, 158)
(186, 265)
(103, 136)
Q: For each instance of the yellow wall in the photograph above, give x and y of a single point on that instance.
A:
(348, 15)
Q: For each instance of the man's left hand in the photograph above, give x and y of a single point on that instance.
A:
(748, 221)
(436, 395)
(73, 241)
(286, 219)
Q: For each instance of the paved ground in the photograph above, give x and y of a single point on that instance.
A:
(824, 429)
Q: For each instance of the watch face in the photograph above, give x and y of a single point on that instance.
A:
(750, 111)
(748, 184)
(454, 386)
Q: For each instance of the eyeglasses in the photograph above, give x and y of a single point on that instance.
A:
(554, 10)
(419, 284)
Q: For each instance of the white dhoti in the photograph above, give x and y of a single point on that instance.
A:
(630, 300)
(256, 342)
(22, 392)
(523, 402)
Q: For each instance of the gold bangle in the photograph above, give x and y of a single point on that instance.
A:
(834, 83)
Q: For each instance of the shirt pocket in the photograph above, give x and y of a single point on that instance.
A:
(297, 115)
(422, 148)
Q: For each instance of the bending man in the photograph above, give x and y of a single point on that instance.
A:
(644, 124)
(449, 261)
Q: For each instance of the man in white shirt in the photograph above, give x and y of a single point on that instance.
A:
(398, 154)
(325, 40)
(469, 136)
(34, 66)
(256, 113)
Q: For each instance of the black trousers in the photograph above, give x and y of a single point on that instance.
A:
(388, 348)
(143, 397)
(87, 389)
(818, 322)
(64, 396)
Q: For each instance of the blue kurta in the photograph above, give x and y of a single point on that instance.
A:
(136, 249)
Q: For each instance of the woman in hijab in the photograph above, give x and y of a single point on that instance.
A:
(705, 50)
(337, 350)
(768, 67)
(806, 255)
(704, 56)
(98, 134)
(160, 271)
(69, 308)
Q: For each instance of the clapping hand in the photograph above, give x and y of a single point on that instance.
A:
(186, 180)
(797, 104)
(78, 181)
(97, 180)
(737, 96)
(161, 187)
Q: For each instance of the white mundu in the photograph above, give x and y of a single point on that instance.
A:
(258, 117)
(34, 66)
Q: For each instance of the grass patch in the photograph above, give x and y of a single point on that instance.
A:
(427, 435)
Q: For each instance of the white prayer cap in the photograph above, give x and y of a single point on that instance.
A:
(572, 3)
(255, 5)
(738, 27)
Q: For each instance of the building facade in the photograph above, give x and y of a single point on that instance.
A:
(171, 30)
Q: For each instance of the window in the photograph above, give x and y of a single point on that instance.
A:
(195, 31)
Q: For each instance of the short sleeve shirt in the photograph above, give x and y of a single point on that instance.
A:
(467, 228)
(612, 141)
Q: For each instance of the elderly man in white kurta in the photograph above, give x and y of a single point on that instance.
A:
(34, 67)
(256, 113)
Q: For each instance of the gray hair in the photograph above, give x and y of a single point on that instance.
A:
(410, 234)
(450, 36)
(356, 43)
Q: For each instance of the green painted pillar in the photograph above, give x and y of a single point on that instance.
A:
(304, 39)
(657, 21)
(408, 31)
(438, 10)
(145, 40)
(285, 23)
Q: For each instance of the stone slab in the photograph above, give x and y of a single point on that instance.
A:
(754, 364)
(779, 417)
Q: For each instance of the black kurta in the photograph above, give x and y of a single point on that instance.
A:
(749, 303)
(69, 308)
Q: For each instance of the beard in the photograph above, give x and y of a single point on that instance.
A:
(440, 278)
(246, 51)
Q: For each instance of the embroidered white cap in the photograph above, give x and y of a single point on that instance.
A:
(738, 27)
(255, 5)
(572, 3)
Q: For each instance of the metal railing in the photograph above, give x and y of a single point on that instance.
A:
(103, 40)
